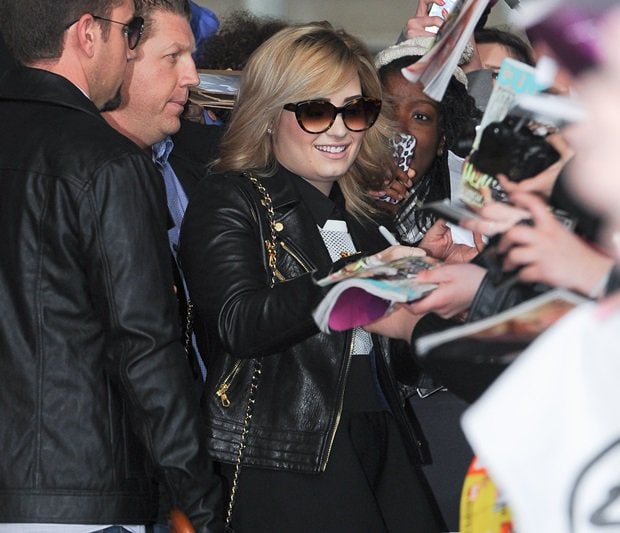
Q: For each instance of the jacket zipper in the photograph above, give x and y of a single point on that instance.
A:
(334, 428)
(332, 435)
(295, 256)
(222, 390)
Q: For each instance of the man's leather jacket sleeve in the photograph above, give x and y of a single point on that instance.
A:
(124, 221)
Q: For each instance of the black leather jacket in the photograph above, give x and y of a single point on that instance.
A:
(96, 393)
(239, 317)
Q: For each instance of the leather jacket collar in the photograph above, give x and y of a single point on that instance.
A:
(38, 85)
(286, 198)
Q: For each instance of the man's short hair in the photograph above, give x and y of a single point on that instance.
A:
(146, 8)
(35, 29)
(179, 7)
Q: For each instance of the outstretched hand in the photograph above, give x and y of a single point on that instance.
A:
(457, 286)
(396, 324)
(395, 187)
(438, 243)
(548, 252)
(495, 217)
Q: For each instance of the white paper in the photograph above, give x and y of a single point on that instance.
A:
(548, 429)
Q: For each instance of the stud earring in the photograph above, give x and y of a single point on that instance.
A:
(269, 131)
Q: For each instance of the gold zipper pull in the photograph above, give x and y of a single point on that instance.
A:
(223, 388)
(221, 394)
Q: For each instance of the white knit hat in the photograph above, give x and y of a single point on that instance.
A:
(418, 46)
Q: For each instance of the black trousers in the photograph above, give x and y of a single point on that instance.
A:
(439, 418)
(369, 485)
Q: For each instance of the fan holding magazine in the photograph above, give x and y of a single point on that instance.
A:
(436, 68)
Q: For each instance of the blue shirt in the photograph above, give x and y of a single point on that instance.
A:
(177, 204)
(175, 194)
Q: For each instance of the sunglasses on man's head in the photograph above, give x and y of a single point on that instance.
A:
(317, 116)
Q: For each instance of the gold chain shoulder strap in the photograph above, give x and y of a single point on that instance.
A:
(271, 247)
(270, 244)
(188, 326)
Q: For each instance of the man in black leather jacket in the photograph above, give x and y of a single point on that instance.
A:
(96, 402)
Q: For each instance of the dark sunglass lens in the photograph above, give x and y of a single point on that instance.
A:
(315, 117)
(134, 33)
(361, 114)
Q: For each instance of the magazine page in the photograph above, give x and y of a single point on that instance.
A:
(435, 69)
(514, 79)
(522, 323)
(364, 290)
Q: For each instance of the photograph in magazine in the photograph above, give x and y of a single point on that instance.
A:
(519, 324)
(468, 358)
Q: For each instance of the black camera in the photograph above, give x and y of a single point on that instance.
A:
(512, 148)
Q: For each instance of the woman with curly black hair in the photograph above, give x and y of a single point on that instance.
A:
(439, 128)
(442, 130)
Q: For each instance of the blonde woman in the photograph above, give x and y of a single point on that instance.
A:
(328, 446)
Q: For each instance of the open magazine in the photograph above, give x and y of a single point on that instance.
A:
(435, 69)
(364, 290)
(520, 324)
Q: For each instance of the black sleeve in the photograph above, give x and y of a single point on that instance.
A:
(131, 285)
(223, 258)
(588, 224)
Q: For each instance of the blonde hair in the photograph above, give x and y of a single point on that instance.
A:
(299, 63)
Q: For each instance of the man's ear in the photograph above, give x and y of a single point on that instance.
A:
(88, 32)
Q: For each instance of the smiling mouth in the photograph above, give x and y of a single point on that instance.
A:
(331, 149)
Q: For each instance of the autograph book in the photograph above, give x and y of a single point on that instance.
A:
(364, 290)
